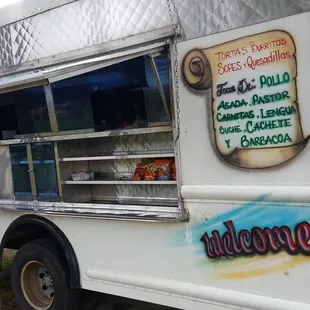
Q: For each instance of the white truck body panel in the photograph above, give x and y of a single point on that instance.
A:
(167, 263)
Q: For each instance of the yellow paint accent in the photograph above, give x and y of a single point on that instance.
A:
(241, 261)
(293, 262)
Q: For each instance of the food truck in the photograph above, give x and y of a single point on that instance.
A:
(156, 150)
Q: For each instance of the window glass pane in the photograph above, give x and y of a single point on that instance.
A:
(124, 95)
(155, 109)
(23, 112)
(162, 66)
(72, 99)
(153, 101)
(44, 169)
(19, 162)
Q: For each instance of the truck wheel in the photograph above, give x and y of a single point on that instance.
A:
(40, 278)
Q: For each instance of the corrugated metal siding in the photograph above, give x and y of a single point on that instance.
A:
(89, 22)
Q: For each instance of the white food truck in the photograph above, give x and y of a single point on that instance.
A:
(156, 150)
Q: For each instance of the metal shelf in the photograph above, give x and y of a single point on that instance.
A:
(123, 155)
(113, 182)
(87, 135)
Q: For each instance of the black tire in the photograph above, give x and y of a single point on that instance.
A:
(31, 258)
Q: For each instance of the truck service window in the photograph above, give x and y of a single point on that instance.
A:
(135, 169)
(101, 166)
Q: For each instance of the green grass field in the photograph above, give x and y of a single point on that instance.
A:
(7, 300)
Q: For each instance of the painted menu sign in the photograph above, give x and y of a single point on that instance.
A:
(254, 94)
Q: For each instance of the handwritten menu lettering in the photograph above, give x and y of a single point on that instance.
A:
(255, 109)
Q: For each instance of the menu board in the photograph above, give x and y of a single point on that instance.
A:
(254, 97)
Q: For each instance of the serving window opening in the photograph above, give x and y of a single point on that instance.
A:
(113, 142)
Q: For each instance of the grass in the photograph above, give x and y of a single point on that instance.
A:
(7, 300)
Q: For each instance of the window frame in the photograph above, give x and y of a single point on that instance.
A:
(45, 77)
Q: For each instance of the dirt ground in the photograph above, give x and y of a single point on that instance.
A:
(90, 300)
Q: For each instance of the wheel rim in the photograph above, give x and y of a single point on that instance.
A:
(37, 285)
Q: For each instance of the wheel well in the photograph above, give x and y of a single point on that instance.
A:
(31, 227)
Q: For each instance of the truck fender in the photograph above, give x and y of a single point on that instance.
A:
(30, 227)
